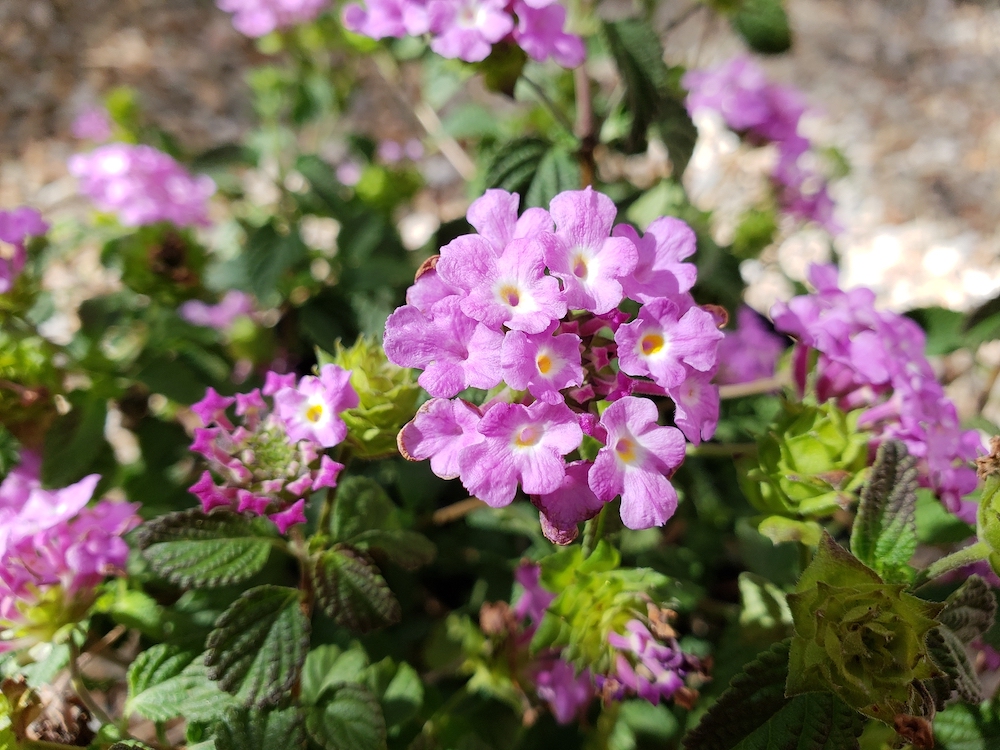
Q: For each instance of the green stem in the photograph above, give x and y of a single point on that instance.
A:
(965, 556)
(550, 105)
(713, 450)
(593, 530)
(754, 387)
(341, 456)
(81, 689)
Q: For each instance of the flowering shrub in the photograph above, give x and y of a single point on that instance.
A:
(319, 463)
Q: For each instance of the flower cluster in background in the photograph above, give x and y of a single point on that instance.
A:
(259, 17)
(234, 304)
(765, 113)
(530, 304)
(92, 124)
(142, 185)
(54, 550)
(274, 459)
(751, 352)
(468, 29)
(874, 359)
(15, 228)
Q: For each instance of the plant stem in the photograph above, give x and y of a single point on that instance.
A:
(81, 689)
(550, 105)
(593, 530)
(965, 556)
(722, 449)
(754, 387)
(585, 126)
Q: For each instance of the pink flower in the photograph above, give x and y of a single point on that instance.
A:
(566, 692)
(511, 290)
(568, 505)
(454, 350)
(387, 18)
(15, 228)
(467, 29)
(659, 271)
(636, 461)
(259, 17)
(540, 33)
(440, 431)
(142, 185)
(750, 352)
(522, 444)
(696, 406)
(662, 339)
(582, 254)
(312, 410)
(233, 305)
(494, 216)
(92, 124)
(647, 668)
(541, 363)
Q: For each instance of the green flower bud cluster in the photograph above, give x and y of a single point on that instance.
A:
(388, 396)
(859, 637)
(808, 463)
(988, 516)
(594, 598)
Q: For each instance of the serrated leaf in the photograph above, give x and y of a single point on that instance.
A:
(268, 255)
(948, 653)
(408, 549)
(252, 729)
(329, 665)
(362, 505)
(970, 610)
(198, 550)
(963, 727)
(557, 171)
(166, 682)
(514, 164)
(350, 719)
(764, 25)
(754, 714)
(259, 644)
(350, 589)
(885, 530)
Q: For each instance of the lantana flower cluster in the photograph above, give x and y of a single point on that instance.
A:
(644, 665)
(142, 185)
(15, 228)
(765, 113)
(529, 307)
(874, 359)
(468, 29)
(54, 551)
(259, 17)
(271, 461)
(749, 352)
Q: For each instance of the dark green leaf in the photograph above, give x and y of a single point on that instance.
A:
(754, 714)
(970, 611)
(350, 719)
(165, 682)
(362, 505)
(764, 26)
(885, 530)
(10, 451)
(130, 745)
(259, 644)
(350, 589)
(268, 255)
(254, 729)
(948, 653)
(194, 549)
(962, 727)
(329, 665)
(408, 549)
(515, 163)
(557, 171)
(75, 440)
(943, 328)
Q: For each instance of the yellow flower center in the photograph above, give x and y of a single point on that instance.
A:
(527, 436)
(314, 413)
(580, 267)
(509, 294)
(625, 449)
(544, 362)
(651, 343)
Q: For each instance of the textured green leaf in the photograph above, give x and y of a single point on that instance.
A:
(948, 653)
(350, 589)
(125, 745)
(885, 530)
(408, 549)
(557, 171)
(259, 644)
(362, 505)
(268, 255)
(971, 609)
(515, 163)
(254, 729)
(75, 440)
(193, 549)
(764, 25)
(963, 727)
(403, 696)
(350, 719)
(166, 682)
(754, 714)
(329, 665)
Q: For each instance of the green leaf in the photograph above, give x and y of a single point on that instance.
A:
(408, 549)
(350, 719)
(75, 440)
(557, 171)
(362, 505)
(948, 653)
(765, 608)
(194, 549)
(350, 589)
(259, 644)
(764, 25)
(165, 681)
(885, 530)
(329, 665)
(963, 727)
(970, 610)
(754, 714)
(126, 745)
(253, 729)
(754, 232)
(514, 164)
(403, 696)
(944, 329)
(268, 255)
(780, 529)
